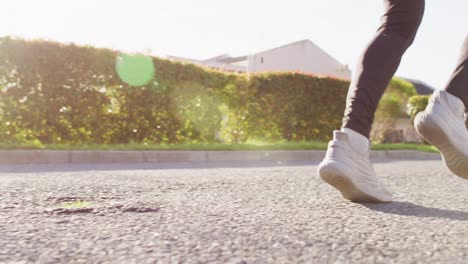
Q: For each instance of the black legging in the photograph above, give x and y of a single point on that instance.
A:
(381, 59)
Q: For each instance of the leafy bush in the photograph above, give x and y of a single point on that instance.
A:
(417, 104)
(56, 93)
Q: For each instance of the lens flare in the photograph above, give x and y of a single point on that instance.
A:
(135, 69)
(197, 108)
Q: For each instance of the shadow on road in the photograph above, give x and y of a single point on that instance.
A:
(411, 209)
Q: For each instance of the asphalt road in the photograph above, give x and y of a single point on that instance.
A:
(227, 213)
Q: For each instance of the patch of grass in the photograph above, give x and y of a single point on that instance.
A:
(7, 146)
(252, 145)
(75, 204)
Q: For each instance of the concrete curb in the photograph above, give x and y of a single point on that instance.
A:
(10, 157)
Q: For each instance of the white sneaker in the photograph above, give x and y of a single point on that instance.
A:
(443, 125)
(347, 167)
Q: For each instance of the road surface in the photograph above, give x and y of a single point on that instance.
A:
(262, 212)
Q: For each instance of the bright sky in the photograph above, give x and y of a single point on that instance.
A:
(205, 28)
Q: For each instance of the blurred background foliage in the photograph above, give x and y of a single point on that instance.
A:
(52, 93)
(392, 107)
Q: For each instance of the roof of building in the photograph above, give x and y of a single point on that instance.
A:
(239, 63)
(304, 41)
(226, 58)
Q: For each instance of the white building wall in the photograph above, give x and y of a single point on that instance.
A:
(302, 56)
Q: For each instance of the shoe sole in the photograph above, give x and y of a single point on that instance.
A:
(337, 179)
(454, 159)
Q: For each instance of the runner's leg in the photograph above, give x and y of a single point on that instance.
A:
(380, 61)
(458, 84)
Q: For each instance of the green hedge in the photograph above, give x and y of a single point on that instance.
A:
(417, 104)
(56, 93)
